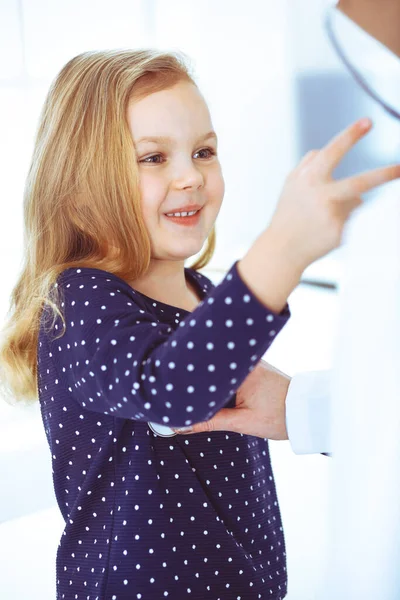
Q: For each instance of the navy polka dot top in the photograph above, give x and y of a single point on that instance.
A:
(150, 517)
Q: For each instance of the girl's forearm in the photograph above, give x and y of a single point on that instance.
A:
(269, 271)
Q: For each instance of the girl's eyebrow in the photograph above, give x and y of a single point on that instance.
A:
(164, 139)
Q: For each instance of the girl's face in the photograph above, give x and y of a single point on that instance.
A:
(178, 168)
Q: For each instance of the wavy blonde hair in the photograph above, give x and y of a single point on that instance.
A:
(82, 194)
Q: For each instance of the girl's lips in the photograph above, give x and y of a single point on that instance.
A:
(189, 220)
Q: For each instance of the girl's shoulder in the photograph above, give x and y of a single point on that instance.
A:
(83, 281)
(89, 273)
(83, 276)
(88, 285)
(85, 286)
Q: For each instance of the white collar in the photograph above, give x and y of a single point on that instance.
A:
(378, 65)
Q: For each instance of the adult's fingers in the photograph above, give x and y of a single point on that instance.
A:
(359, 184)
(224, 420)
(330, 155)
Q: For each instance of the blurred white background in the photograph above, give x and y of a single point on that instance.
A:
(275, 90)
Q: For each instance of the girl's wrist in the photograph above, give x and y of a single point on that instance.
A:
(286, 254)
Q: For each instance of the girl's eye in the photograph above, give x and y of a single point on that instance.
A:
(209, 150)
(150, 160)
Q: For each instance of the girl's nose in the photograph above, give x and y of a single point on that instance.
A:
(188, 177)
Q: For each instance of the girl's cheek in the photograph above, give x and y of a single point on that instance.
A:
(218, 188)
(222, 187)
(218, 180)
(151, 191)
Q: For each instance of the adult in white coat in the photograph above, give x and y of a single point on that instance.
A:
(365, 543)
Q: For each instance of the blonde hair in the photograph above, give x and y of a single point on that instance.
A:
(82, 194)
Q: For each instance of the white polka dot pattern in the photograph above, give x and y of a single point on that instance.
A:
(151, 517)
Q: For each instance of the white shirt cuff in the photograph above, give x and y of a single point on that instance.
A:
(308, 420)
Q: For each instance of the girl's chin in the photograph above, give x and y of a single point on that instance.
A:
(181, 252)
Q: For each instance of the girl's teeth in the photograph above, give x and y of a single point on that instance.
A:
(182, 214)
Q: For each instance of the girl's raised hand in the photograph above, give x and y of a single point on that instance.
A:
(313, 207)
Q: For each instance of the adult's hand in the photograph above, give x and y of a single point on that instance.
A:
(260, 407)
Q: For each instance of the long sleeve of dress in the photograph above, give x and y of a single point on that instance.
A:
(130, 364)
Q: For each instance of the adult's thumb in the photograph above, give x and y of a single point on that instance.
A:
(224, 420)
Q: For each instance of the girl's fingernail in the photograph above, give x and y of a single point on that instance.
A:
(365, 123)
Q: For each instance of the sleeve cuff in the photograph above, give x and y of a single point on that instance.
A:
(283, 316)
(308, 412)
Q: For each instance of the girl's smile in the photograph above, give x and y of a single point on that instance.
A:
(185, 218)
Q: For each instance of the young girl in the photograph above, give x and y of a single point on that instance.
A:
(113, 333)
